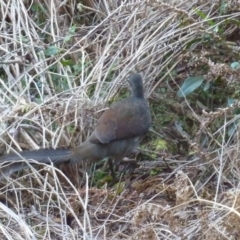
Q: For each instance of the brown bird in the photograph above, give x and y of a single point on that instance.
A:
(115, 136)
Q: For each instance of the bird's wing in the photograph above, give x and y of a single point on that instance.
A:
(125, 119)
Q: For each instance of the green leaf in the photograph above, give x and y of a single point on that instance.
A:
(190, 84)
(67, 38)
(160, 145)
(204, 17)
(233, 128)
(230, 101)
(235, 65)
(66, 62)
(72, 29)
(51, 51)
(223, 7)
(206, 86)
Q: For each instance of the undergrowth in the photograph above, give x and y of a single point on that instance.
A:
(63, 62)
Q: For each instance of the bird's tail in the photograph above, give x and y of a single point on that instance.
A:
(56, 156)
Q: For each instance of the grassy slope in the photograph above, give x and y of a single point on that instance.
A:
(62, 64)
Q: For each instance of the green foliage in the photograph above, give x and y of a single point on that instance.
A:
(223, 7)
(66, 62)
(51, 51)
(80, 66)
(101, 177)
(71, 129)
(205, 17)
(160, 145)
(40, 13)
(71, 32)
(235, 65)
(119, 187)
(190, 85)
(155, 172)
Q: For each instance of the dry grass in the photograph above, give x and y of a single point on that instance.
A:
(62, 62)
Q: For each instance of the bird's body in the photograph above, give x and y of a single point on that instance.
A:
(115, 136)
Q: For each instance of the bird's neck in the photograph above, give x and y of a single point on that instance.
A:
(138, 93)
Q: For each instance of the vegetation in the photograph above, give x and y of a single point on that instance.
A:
(63, 62)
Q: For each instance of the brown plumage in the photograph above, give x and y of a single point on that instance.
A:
(115, 136)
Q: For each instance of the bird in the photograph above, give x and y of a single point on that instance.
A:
(115, 136)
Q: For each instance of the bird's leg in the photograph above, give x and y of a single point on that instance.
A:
(111, 166)
(130, 164)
